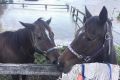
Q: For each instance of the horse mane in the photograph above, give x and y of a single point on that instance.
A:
(46, 26)
(19, 37)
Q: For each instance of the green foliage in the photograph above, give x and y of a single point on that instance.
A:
(118, 53)
(61, 50)
(5, 77)
(39, 59)
(118, 17)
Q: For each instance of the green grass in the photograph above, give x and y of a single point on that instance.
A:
(118, 53)
(40, 59)
(118, 17)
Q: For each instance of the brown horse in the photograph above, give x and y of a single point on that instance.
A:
(19, 46)
(93, 44)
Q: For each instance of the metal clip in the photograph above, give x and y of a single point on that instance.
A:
(107, 36)
(45, 53)
(88, 58)
(80, 56)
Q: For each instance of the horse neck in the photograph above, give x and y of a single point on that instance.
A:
(24, 38)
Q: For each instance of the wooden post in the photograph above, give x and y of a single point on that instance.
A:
(67, 7)
(77, 17)
(29, 69)
(23, 5)
(71, 9)
(46, 7)
(73, 13)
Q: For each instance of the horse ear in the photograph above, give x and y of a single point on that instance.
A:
(48, 21)
(87, 15)
(25, 24)
(84, 19)
(103, 16)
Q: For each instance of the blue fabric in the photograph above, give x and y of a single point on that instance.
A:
(110, 71)
(83, 71)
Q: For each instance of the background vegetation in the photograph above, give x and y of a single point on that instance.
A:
(39, 59)
(118, 54)
(118, 17)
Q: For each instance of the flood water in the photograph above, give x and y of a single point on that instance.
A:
(62, 24)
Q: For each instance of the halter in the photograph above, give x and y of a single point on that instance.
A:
(41, 51)
(79, 56)
(85, 58)
(47, 51)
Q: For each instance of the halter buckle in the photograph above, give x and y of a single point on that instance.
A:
(51, 49)
(88, 58)
(80, 56)
(45, 53)
(107, 36)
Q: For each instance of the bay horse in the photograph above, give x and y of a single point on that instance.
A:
(19, 46)
(93, 44)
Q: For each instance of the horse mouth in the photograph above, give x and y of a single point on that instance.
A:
(67, 70)
(91, 38)
(64, 69)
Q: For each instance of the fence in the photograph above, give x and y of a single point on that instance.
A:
(35, 69)
(65, 7)
(28, 69)
(75, 15)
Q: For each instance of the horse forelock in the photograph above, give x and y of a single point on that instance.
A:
(49, 33)
(46, 28)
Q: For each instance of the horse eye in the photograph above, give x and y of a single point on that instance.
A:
(39, 38)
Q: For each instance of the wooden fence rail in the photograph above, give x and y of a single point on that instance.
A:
(29, 69)
(66, 6)
(75, 15)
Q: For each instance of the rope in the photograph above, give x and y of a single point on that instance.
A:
(110, 71)
(83, 71)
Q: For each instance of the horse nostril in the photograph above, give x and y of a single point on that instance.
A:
(60, 66)
(54, 62)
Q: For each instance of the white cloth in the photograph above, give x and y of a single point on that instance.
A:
(93, 71)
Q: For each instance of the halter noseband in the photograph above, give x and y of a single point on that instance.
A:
(80, 57)
(45, 52)
(51, 49)
(41, 51)
(85, 58)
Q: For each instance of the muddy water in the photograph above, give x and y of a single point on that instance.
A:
(62, 24)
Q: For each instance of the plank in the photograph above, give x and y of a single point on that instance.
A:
(29, 69)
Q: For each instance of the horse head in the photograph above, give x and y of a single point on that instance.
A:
(42, 38)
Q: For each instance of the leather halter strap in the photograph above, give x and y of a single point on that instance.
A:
(51, 49)
(45, 52)
(79, 56)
